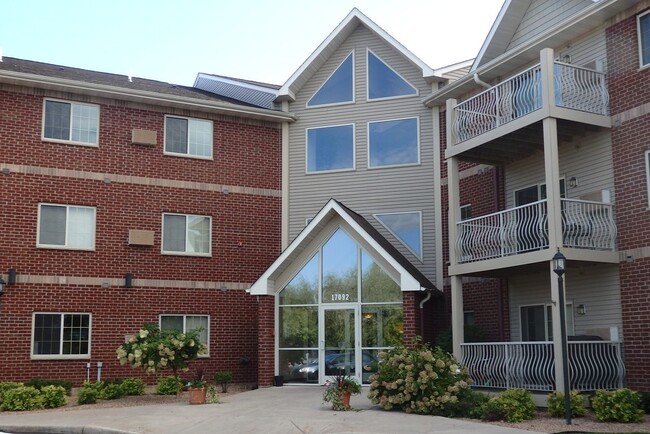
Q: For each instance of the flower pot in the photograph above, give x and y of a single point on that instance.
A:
(345, 398)
(197, 396)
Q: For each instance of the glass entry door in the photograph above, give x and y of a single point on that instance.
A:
(338, 353)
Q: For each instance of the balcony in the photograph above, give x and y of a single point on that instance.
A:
(530, 365)
(585, 225)
(573, 93)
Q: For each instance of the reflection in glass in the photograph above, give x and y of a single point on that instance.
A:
(376, 284)
(299, 366)
(407, 227)
(337, 88)
(330, 148)
(339, 342)
(298, 327)
(340, 269)
(383, 82)
(382, 326)
(303, 288)
(393, 142)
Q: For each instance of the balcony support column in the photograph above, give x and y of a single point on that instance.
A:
(457, 319)
(453, 197)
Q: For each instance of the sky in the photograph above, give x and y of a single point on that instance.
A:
(261, 40)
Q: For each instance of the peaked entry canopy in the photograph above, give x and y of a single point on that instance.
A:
(406, 274)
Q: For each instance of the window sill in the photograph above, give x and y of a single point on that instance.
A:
(60, 357)
(52, 247)
(70, 142)
(196, 255)
(192, 157)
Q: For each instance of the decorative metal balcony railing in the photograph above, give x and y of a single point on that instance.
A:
(586, 225)
(530, 365)
(574, 88)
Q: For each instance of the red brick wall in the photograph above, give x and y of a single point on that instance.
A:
(628, 87)
(245, 234)
(266, 340)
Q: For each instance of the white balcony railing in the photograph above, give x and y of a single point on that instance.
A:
(586, 225)
(574, 87)
(530, 365)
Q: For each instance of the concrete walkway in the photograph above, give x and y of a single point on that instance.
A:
(276, 410)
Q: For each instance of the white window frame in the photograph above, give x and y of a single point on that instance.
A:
(188, 154)
(397, 237)
(385, 166)
(639, 40)
(417, 91)
(60, 355)
(67, 233)
(647, 174)
(185, 252)
(184, 316)
(460, 212)
(69, 141)
(354, 88)
(568, 308)
(354, 147)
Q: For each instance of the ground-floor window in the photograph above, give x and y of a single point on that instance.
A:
(537, 322)
(185, 323)
(337, 313)
(61, 335)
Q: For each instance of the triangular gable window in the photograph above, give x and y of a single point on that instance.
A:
(338, 88)
(384, 82)
(406, 227)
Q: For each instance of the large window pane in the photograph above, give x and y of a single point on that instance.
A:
(340, 269)
(383, 82)
(338, 88)
(61, 334)
(407, 227)
(298, 327)
(188, 136)
(382, 326)
(299, 366)
(393, 142)
(376, 284)
(303, 288)
(330, 148)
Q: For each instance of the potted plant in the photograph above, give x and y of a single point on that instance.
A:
(339, 389)
(196, 388)
(223, 378)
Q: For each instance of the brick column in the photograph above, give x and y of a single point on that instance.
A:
(411, 316)
(266, 341)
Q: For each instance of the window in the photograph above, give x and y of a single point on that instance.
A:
(185, 323)
(406, 227)
(643, 29)
(537, 322)
(61, 335)
(384, 82)
(393, 143)
(647, 173)
(330, 148)
(187, 234)
(465, 212)
(185, 136)
(71, 122)
(66, 227)
(338, 88)
(468, 318)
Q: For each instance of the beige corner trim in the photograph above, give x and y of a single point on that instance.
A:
(628, 115)
(109, 178)
(105, 282)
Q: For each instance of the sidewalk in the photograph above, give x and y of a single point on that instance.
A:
(276, 410)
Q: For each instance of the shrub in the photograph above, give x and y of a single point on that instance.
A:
(555, 403)
(419, 380)
(168, 386)
(132, 386)
(471, 404)
(40, 383)
(89, 392)
(22, 398)
(212, 396)
(645, 398)
(512, 405)
(7, 385)
(622, 405)
(111, 391)
(53, 396)
(223, 378)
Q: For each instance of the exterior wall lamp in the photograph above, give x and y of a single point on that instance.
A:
(581, 309)
(572, 182)
(11, 280)
(559, 267)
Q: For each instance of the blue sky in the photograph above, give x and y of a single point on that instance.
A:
(251, 39)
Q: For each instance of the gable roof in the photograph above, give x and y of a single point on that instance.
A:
(58, 77)
(333, 41)
(411, 279)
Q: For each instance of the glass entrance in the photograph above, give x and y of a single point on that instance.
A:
(338, 355)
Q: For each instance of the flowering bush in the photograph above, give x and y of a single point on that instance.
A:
(420, 380)
(154, 350)
(337, 387)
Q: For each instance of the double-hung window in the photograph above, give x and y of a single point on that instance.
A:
(71, 122)
(643, 31)
(393, 142)
(61, 335)
(186, 323)
(330, 148)
(188, 137)
(66, 227)
(185, 234)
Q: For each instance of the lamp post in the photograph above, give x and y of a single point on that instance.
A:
(559, 266)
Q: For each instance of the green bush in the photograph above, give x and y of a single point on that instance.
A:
(223, 378)
(132, 386)
(168, 386)
(471, 404)
(22, 398)
(40, 383)
(555, 403)
(622, 405)
(53, 396)
(7, 385)
(645, 398)
(111, 390)
(419, 380)
(89, 392)
(512, 405)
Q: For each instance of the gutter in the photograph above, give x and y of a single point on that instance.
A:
(142, 95)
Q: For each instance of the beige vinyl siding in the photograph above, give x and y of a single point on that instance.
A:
(595, 286)
(588, 158)
(365, 191)
(543, 14)
(586, 52)
(456, 74)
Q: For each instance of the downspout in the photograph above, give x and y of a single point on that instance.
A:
(480, 82)
(424, 300)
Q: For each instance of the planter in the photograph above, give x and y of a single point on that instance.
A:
(197, 396)
(345, 399)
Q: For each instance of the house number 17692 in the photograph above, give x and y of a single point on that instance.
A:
(340, 297)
